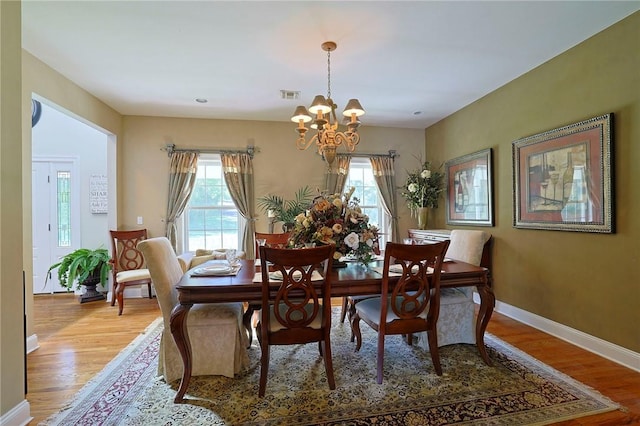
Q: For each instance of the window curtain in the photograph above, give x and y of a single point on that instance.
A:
(238, 175)
(336, 177)
(385, 177)
(182, 178)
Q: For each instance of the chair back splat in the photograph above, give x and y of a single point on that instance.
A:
(406, 306)
(272, 240)
(127, 264)
(296, 303)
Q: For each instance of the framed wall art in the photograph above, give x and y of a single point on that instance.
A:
(563, 178)
(469, 198)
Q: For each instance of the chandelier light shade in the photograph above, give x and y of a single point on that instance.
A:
(322, 115)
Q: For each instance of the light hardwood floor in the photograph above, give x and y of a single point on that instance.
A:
(78, 340)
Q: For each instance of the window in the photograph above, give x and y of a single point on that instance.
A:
(361, 177)
(64, 208)
(211, 220)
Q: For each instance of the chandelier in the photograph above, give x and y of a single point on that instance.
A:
(327, 137)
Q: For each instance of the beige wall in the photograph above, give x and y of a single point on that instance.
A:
(41, 80)
(279, 167)
(590, 282)
(11, 290)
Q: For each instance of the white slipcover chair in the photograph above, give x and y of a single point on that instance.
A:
(218, 338)
(457, 320)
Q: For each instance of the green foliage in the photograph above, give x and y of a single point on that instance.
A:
(287, 210)
(423, 187)
(80, 264)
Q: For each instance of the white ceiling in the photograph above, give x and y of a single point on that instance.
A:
(155, 57)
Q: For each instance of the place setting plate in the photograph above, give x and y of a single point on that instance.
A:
(214, 270)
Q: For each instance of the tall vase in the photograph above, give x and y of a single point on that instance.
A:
(423, 217)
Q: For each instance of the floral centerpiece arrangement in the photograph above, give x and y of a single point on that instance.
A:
(422, 189)
(335, 219)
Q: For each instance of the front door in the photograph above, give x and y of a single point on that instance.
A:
(55, 217)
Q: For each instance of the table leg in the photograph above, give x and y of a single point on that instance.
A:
(487, 302)
(180, 335)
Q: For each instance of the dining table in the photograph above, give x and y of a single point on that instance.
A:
(346, 281)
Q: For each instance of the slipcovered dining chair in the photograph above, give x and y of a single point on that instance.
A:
(413, 303)
(457, 323)
(127, 264)
(297, 314)
(216, 333)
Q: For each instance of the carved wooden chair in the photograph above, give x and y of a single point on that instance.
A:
(271, 240)
(274, 241)
(410, 305)
(297, 313)
(127, 264)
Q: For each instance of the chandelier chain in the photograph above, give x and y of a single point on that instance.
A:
(329, 73)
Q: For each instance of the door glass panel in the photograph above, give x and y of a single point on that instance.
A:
(64, 208)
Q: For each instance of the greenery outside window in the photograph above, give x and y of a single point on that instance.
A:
(211, 220)
(361, 177)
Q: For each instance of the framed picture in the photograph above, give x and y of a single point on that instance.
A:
(469, 198)
(563, 178)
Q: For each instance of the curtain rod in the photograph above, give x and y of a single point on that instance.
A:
(171, 148)
(392, 154)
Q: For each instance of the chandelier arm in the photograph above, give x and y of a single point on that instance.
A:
(350, 140)
(302, 143)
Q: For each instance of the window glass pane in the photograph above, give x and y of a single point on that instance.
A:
(64, 208)
(361, 178)
(211, 219)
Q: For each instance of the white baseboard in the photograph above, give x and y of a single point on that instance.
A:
(611, 351)
(19, 415)
(32, 343)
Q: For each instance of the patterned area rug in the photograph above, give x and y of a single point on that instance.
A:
(517, 390)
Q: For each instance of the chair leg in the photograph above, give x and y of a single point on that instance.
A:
(328, 363)
(149, 287)
(113, 293)
(264, 368)
(343, 313)
(380, 356)
(355, 331)
(432, 335)
(120, 298)
(247, 322)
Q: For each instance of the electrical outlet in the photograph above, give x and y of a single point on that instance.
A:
(139, 220)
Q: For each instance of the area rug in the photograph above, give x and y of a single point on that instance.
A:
(517, 390)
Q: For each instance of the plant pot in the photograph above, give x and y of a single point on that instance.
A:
(90, 284)
(423, 217)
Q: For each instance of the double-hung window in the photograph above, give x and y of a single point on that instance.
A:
(360, 177)
(211, 220)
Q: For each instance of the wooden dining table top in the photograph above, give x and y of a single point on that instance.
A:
(350, 280)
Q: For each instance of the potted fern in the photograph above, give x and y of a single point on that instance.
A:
(84, 267)
(286, 210)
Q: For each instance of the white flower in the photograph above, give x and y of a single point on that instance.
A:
(352, 240)
(412, 187)
(426, 174)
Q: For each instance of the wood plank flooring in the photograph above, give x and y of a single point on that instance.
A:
(78, 340)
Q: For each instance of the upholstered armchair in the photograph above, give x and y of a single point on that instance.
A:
(457, 321)
(218, 338)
